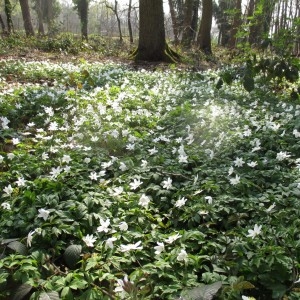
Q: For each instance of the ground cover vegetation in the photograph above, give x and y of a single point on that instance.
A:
(128, 183)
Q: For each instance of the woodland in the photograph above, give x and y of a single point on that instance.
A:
(150, 149)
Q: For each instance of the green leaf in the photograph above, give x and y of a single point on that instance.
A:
(219, 83)
(227, 77)
(248, 83)
(67, 293)
(21, 291)
(72, 255)
(7, 241)
(18, 247)
(78, 284)
(49, 296)
(204, 292)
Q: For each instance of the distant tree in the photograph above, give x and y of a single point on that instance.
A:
(116, 12)
(39, 12)
(174, 19)
(223, 19)
(129, 21)
(26, 17)
(195, 18)
(204, 35)
(152, 44)
(260, 23)
(82, 7)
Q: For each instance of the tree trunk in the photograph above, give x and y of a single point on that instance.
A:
(83, 8)
(174, 22)
(152, 42)
(195, 18)
(236, 23)
(8, 10)
(48, 5)
(204, 38)
(2, 24)
(41, 30)
(224, 24)
(26, 18)
(119, 21)
(187, 33)
(129, 22)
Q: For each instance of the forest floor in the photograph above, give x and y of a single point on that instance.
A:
(61, 57)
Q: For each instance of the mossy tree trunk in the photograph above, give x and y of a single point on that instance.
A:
(82, 7)
(152, 44)
(8, 12)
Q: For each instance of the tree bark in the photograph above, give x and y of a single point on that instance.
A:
(152, 41)
(187, 33)
(2, 24)
(26, 18)
(204, 38)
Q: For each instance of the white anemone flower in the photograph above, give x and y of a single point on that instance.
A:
(254, 232)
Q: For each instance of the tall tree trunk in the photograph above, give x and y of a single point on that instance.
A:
(204, 38)
(83, 8)
(277, 18)
(187, 33)
(174, 21)
(8, 10)
(224, 23)
(26, 17)
(129, 22)
(41, 30)
(152, 41)
(236, 23)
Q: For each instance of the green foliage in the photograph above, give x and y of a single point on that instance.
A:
(276, 72)
(63, 43)
(204, 292)
(124, 184)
